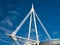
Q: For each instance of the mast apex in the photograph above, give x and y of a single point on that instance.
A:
(32, 8)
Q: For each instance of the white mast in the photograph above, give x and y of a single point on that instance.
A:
(31, 13)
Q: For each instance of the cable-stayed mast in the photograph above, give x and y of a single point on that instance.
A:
(34, 14)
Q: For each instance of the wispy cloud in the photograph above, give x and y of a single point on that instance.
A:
(5, 41)
(13, 12)
(5, 30)
(9, 22)
(55, 33)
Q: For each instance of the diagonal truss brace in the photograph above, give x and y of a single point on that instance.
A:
(43, 27)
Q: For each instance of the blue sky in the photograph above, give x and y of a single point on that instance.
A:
(12, 13)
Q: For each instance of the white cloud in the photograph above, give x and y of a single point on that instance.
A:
(9, 22)
(55, 33)
(5, 30)
(5, 41)
(13, 12)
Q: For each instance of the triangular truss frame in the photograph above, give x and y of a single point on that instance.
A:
(34, 14)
